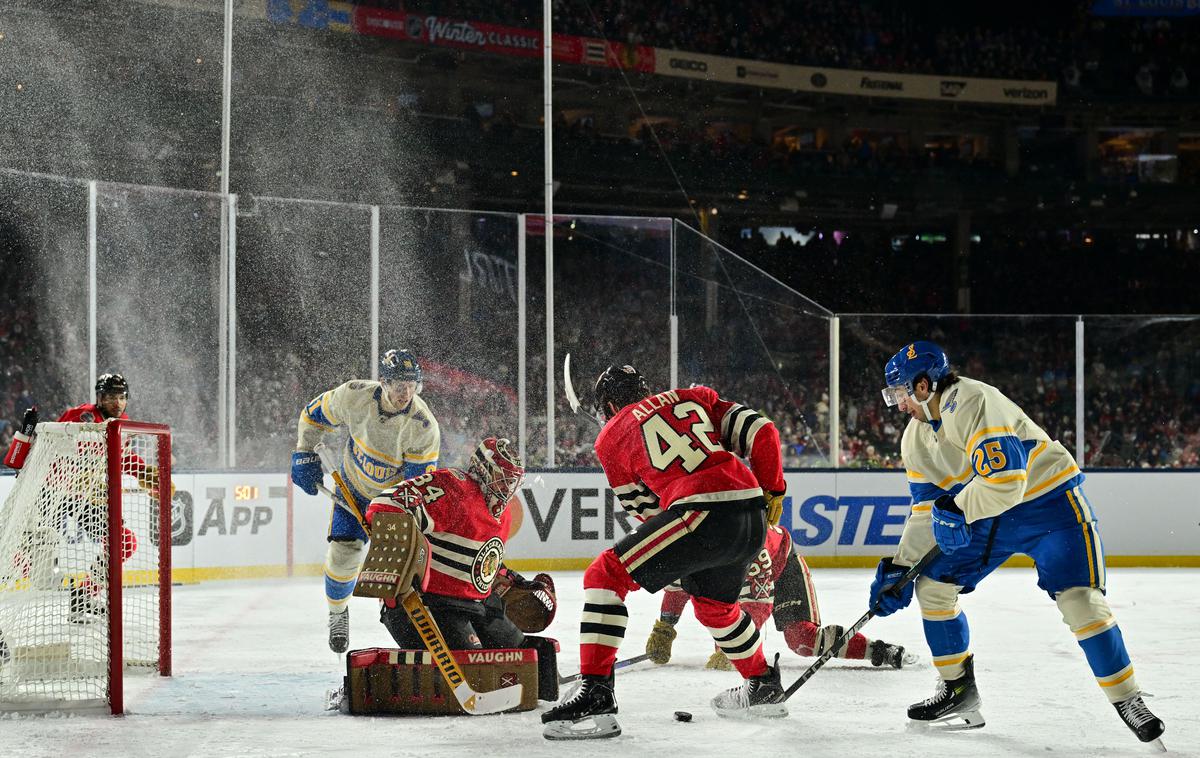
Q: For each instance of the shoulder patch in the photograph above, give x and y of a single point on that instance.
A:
(951, 402)
(359, 385)
(87, 416)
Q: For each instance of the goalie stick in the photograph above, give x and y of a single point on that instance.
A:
(912, 573)
(569, 391)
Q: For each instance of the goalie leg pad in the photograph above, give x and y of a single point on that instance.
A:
(342, 561)
(382, 680)
(547, 651)
(398, 561)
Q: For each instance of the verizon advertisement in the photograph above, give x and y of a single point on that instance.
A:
(228, 525)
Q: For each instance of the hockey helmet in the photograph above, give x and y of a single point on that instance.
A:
(621, 386)
(497, 468)
(399, 366)
(917, 360)
(113, 384)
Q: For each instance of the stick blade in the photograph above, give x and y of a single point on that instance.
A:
(568, 386)
(485, 703)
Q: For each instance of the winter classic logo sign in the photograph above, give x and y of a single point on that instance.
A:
(486, 564)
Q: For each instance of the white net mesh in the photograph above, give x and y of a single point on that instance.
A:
(54, 567)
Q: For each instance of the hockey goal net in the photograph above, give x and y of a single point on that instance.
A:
(85, 566)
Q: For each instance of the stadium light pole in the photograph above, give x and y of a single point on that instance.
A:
(548, 171)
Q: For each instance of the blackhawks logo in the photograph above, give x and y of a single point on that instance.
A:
(486, 564)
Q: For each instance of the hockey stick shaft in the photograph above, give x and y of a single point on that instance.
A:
(910, 575)
(351, 505)
(474, 703)
(617, 665)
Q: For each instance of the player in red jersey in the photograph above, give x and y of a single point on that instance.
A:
(778, 585)
(112, 398)
(465, 517)
(672, 459)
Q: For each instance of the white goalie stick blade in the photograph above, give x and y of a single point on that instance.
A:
(485, 703)
(954, 722)
(600, 727)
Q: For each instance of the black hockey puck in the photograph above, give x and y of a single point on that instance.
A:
(683, 716)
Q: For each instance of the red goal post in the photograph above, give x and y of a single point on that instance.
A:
(116, 474)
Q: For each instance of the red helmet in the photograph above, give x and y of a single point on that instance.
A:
(496, 467)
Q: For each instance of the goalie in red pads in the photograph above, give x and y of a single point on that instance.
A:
(464, 516)
(673, 460)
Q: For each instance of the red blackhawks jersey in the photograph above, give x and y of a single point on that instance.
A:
(768, 565)
(682, 448)
(86, 413)
(89, 413)
(466, 541)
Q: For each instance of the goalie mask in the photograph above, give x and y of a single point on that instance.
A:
(497, 468)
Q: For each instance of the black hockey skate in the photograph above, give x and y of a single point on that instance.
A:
(589, 714)
(85, 609)
(1139, 719)
(339, 631)
(954, 706)
(757, 697)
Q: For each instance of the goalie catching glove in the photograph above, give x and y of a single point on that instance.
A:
(530, 605)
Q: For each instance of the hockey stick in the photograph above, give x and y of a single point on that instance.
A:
(569, 391)
(474, 703)
(351, 505)
(912, 573)
(617, 665)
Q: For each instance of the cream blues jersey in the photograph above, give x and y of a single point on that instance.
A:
(986, 452)
(385, 445)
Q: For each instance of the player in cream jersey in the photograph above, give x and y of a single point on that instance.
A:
(986, 483)
(392, 436)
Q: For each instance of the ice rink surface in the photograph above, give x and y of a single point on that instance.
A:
(252, 667)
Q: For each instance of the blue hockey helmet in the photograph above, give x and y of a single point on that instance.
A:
(399, 366)
(915, 361)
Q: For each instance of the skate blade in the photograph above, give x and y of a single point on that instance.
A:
(753, 713)
(1158, 745)
(600, 727)
(957, 722)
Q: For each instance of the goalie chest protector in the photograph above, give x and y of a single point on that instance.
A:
(387, 680)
